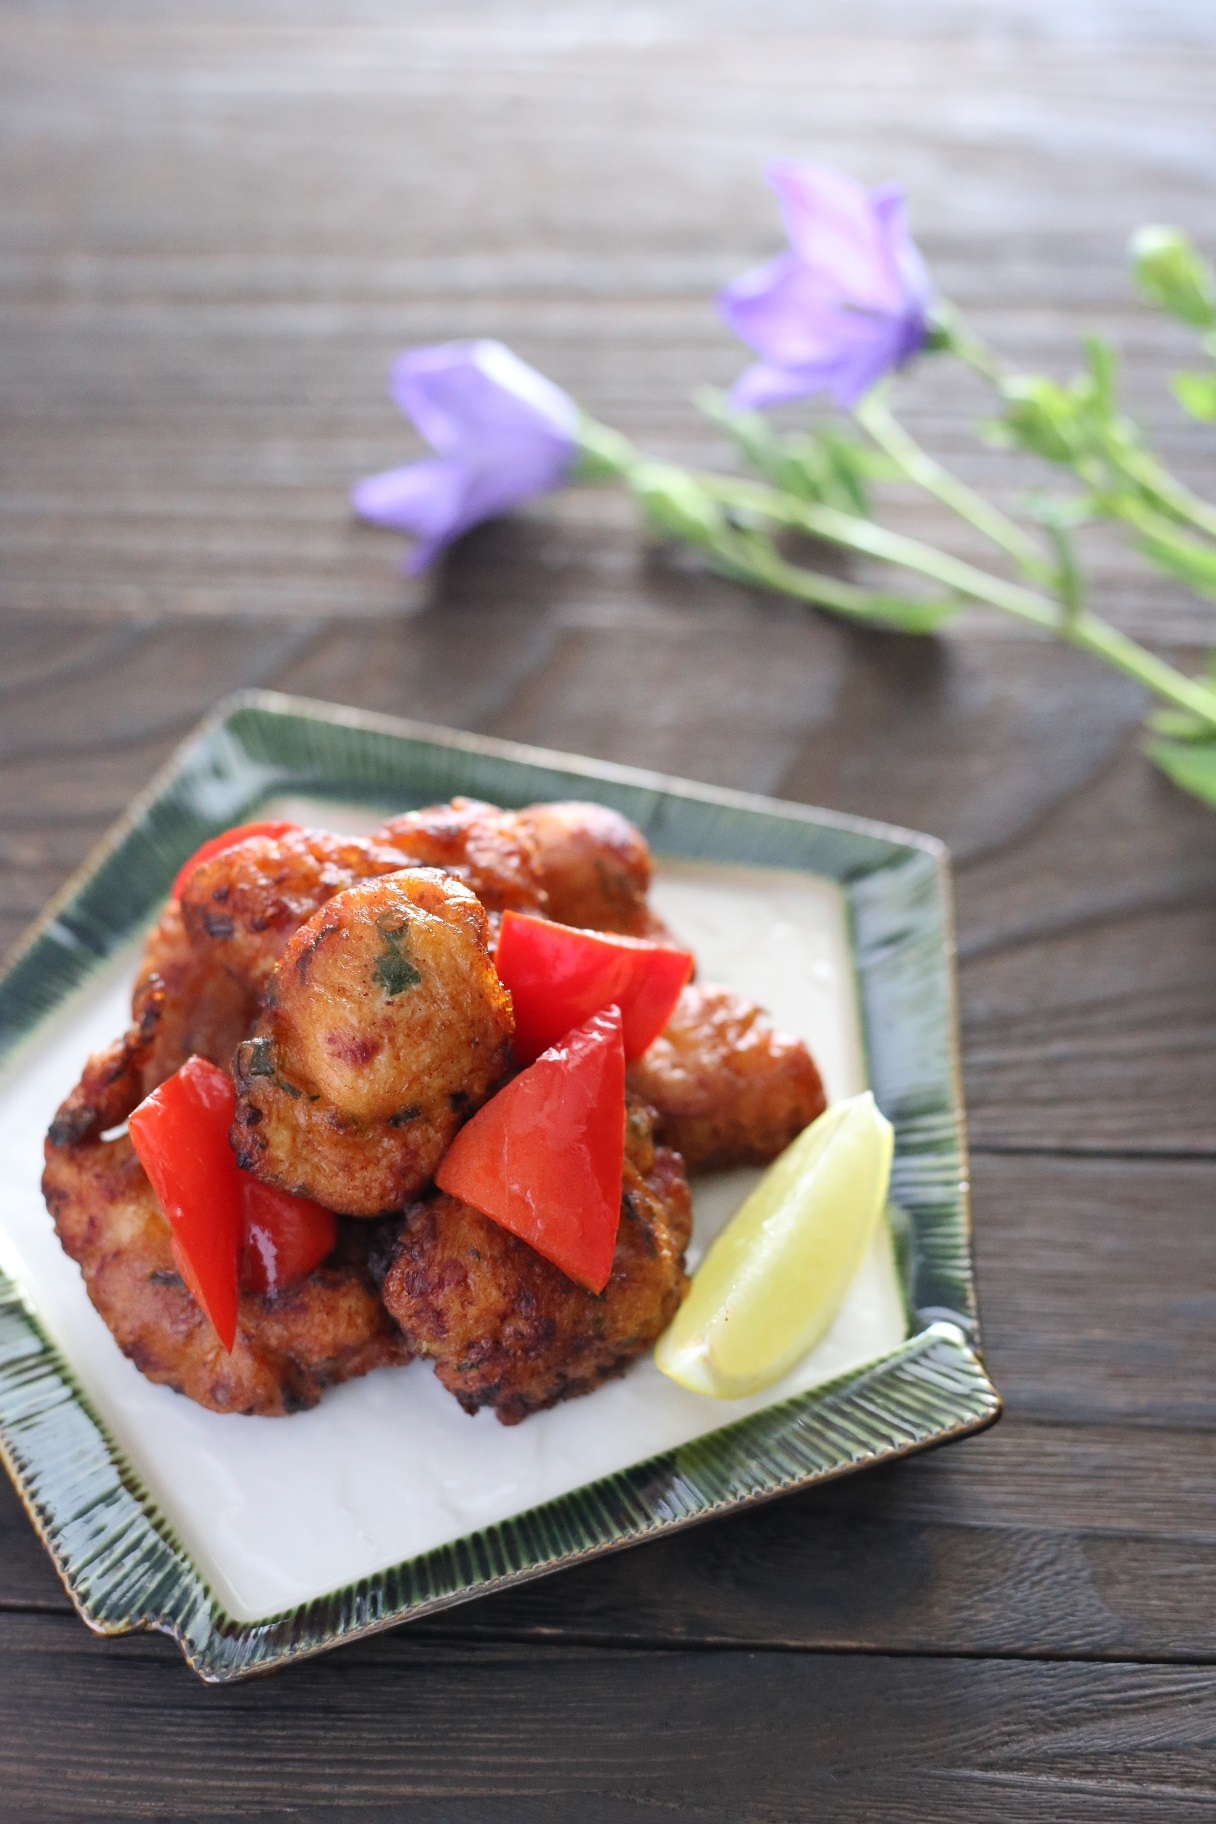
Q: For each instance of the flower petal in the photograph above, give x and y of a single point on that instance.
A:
(910, 271)
(763, 385)
(458, 394)
(784, 312)
(837, 231)
(845, 373)
(502, 433)
(422, 498)
(845, 305)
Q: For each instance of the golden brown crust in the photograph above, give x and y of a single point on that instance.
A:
(505, 1328)
(595, 867)
(728, 1087)
(241, 908)
(385, 1027)
(328, 1327)
(204, 1010)
(492, 851)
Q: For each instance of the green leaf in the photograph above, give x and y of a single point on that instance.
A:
(1068, 511)
(1190, 764)
(1171, 275)
(1070, 584)
(1042, 417)
(850, 467)
(823, 464)
(1179, 725)
(905, 614)
(1196, 394)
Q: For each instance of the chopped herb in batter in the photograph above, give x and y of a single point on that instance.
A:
(393, 969)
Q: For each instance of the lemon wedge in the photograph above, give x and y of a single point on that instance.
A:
(774, 1278)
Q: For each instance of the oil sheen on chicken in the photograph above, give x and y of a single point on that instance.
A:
(493, 852)
(729, 1089)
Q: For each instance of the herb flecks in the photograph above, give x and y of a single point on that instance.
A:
(393, 971)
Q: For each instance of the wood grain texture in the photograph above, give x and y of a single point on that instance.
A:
(217, 227)
(507, 1732)
(217, 223)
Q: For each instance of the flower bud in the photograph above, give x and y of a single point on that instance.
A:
(675, 503)
(1172, 276)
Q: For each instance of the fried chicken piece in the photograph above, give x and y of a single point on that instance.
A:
(595, 867)
(242, 907)
(240, 917)
(203, 1009)
(507, 1329)
(492, 851)
(728, 1087)
(329, 1326)
(385, 1026)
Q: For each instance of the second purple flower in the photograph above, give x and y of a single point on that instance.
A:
(845, 305)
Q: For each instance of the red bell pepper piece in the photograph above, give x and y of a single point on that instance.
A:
(558, 977)
(227, 1226)
(180, 1136)
(544, 1157)
(285, 1236)
(228, 839)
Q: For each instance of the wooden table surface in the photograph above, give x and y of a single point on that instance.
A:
(220, 219)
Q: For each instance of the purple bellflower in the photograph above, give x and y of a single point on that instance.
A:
(845, 305)
(501, 433)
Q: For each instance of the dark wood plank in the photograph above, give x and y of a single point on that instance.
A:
(1028, 1546)
(520, 1733)
(218, 229)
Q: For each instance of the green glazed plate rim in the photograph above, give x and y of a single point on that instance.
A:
(120, 1560)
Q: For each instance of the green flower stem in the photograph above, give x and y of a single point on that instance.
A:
(950, 330)
(607, 455)
(1145, 472)
(873, 540)
(876, 417)
(1080, 629)
(750, 557)
(1099, 637)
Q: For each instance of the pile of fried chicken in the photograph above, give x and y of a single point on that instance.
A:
(276, 963)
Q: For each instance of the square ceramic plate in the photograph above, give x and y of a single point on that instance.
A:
(256, 1541)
